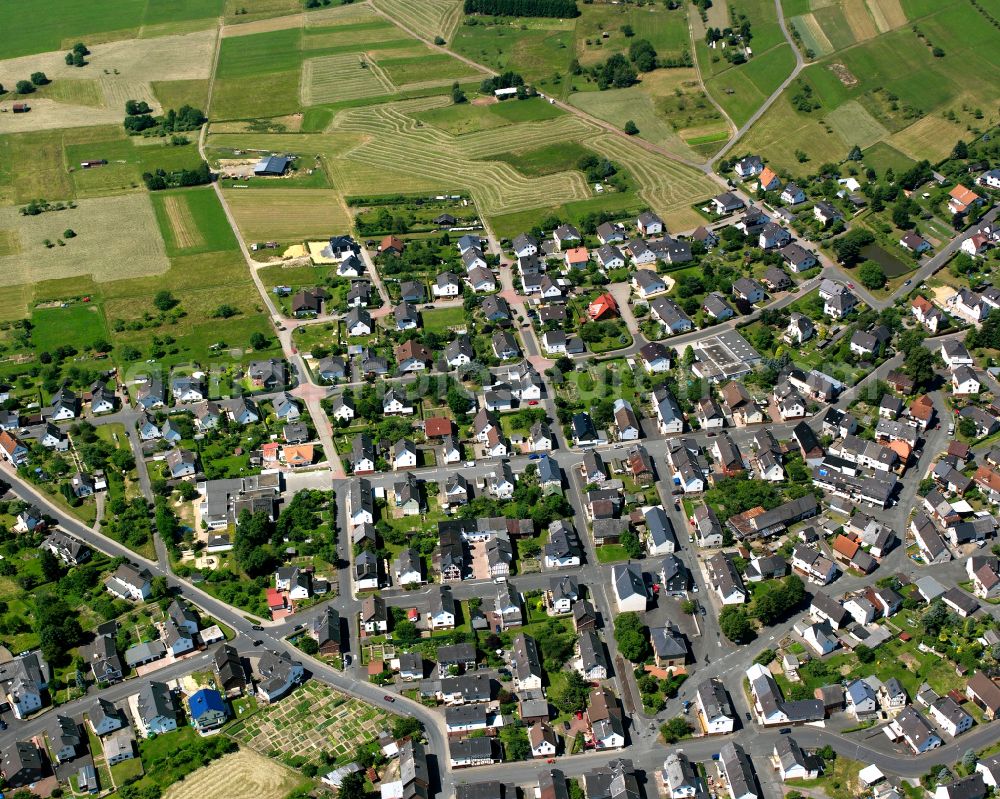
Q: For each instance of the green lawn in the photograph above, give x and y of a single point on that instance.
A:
(611, 553)
(441, 319)
(80, 324)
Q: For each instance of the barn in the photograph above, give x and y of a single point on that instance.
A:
(272, 166)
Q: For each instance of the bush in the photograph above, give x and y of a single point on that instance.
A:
(69, 233)
(631, 128)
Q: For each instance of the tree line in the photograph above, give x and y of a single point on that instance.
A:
(523, 8)
(160, 179)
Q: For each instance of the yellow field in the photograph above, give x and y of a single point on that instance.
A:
(49, 115)
(117, 237)
(287, 214)
(426, 18)
(859, 20)
(931, 137)
(182, 224)
(888, 14)
(670, 188)
(346, 76)
(243, 773)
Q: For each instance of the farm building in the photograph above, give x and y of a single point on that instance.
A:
(272, 166)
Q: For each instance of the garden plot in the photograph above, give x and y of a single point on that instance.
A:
(313, 719)
(243, 773)
(346, 76)
(116, 237)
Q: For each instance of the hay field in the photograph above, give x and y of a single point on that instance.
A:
(931, 137)
(427, 18)
(117, 90)
(287, 214)
(52, 115)
(182, 225)
(348, 36)
(888, 14)
(393, 137)
(117, 237)
(855, 125)
(861, 23)
(669, 187)
(812, 34)
(348, 76)
(243, 773)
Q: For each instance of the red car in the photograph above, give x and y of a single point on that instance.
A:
(388, 698)
(551, 760)
(532, 402)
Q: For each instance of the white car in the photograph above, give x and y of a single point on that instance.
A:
(469, 464)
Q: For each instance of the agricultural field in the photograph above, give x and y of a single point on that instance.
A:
(192, 221)
(475, 117)
(315, 718)
(291, 215)
(244, 773)
(669, 107)
(427, 18)
(890, 89)
(25, 34)
(105, 247)
(830, 26)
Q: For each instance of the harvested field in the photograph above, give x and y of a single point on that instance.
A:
(427, 67)
(287, 214)
(888, 14)
(428, 18)
(10, 242)
(669, 187)
(175, 93)
(108, 230)
(243, 773)
(50, 115)
(77, 91)
(349, 76)
(346, 14)
(862, 25)
(393, 137)
(117, 90)
(314, 719)
(182, 225)
(931, 137)
(855, 125)
(812, 34)
(372, 31)
(289, 22)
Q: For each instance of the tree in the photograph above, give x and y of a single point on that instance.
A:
(69, 233)
(855, 154)
(573, 694)
(630, 634)
(457, 95)
(51, 568)
(865, 654)
(308, 645)
(871, 275)
(967, 427)
(225, 311)
(405, 726)
(689, 607)
(901, 216)
(164, 301)
(352, 786)
(633, 546)
(39, 79)
(736, 625)
(765, 657)
(439, 41)
(960, 150)
(258, 341)
(24, 87)
(631, 128)
(969, 760)
(675, 729)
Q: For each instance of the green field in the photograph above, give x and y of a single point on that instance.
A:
(103, 20)
(890, 89)
(192, 221)
(80, 324)
(469, 118)
(441, 319)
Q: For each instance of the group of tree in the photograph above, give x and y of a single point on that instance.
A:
(58, 628)
(848, 247)
(139, 118)
(630, 635)
(28, 86)
(736, 625)
(505, 80)
(772, 606)
(161, 179)
(561, 9)
(871, 275)
(617, 72)
(76, 56)
(918, 361)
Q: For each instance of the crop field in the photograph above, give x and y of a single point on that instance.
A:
(288, 214)
(813, 36)
(899, 85)
(667, 186)
(314, 719)
(664, 106)
(192, 221)
(431, 67)
(394, 138)
(116, 237)
(184, 233)
(373, 29)
(350, 76)
(428, 18)
(855, 125)
(470, 118)
(243, 773)
(175, 93)
(52, 115)
(741, 90)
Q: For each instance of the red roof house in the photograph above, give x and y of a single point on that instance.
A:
(603, 306)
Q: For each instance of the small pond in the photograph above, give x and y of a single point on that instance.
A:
(890, 264)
